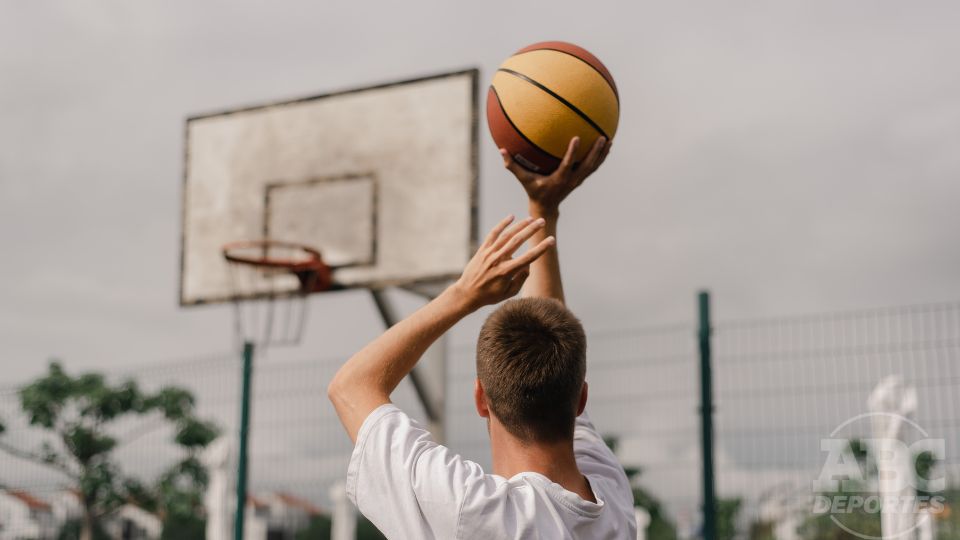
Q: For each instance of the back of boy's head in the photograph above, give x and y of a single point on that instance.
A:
(531, 362)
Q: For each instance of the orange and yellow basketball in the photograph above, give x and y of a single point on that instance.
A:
(546, 94)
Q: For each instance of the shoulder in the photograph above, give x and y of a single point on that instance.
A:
(498, 507)
(403, 480)
(530, 505)
(598, 462)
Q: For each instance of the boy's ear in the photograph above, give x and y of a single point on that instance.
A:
(480, 400)
(583, 399)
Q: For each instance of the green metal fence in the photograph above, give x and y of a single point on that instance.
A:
(780, 386)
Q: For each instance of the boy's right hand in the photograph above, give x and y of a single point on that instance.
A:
(493, 275)
(546, 192)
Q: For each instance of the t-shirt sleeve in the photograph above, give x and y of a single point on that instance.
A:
(594, 457)
(405, 483)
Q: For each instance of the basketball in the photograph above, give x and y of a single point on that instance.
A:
(546, 94)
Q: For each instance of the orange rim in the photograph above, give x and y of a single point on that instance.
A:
(314, 260)
(313, 273)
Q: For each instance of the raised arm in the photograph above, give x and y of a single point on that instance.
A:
(545, 193)
(368, 378)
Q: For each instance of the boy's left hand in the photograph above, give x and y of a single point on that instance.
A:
(493, 275)
(546, 192)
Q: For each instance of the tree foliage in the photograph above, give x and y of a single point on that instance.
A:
(660, 526)
(321, 527)
(728, 513)
(80, 415)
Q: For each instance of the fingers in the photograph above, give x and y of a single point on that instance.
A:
(593, 157)
(592, 161)
(511, 164)
(508, 161)
(518, 237)
(606, 150)
(497, 230)
(506, 235)
(531, 255)
(567, 162)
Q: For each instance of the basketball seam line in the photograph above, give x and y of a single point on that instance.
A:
(517, 130)
(559, 98)
(609, 81)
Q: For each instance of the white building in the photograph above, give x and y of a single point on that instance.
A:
(66, 506)
(24, 516)
(131, 522)
(277, 516)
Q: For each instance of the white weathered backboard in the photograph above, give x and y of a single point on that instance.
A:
(381, 180)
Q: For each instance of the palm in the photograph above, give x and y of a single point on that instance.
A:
(493, 274)
(549, 190)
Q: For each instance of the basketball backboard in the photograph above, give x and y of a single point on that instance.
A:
(381, 180)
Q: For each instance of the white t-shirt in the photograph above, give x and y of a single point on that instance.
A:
(410, 487)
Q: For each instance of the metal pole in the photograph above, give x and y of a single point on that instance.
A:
(244, 436)
(706, 420)
(435, 364)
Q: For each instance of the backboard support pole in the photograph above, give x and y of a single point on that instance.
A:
(433, 402)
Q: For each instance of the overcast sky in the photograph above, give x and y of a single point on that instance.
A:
(792, 156)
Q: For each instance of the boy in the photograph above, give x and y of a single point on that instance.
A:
(553, 475)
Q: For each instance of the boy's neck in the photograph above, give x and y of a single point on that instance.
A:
(553, 460)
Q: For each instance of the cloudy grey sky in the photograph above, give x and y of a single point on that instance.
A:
(792, 156)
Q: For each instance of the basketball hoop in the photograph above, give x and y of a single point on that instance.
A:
(263, 266)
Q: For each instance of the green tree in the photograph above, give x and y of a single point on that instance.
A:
(660, 526)
(79, 415)
(924, 463)
(728, 510)
(320, 528)
(948, 519)
(366, 530)
(761, 530)
(71, 531)
(825, 526)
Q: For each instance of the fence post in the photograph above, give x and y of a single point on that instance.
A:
(706, 419)
(244, 436)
